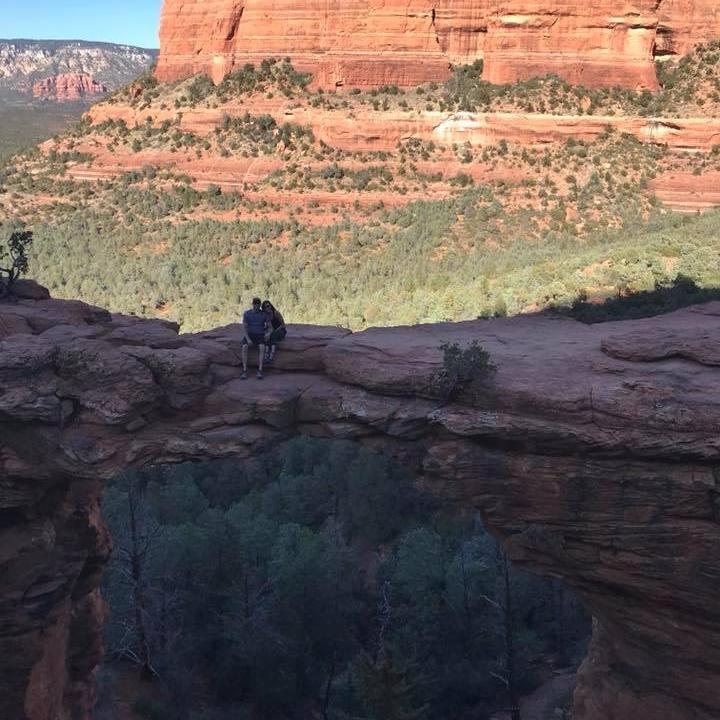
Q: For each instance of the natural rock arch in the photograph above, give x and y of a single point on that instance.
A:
(594, 457)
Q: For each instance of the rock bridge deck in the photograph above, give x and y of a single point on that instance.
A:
(592, 454)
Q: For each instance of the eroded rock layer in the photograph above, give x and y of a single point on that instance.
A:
(368, 130)
(359, 44)
(592, 453)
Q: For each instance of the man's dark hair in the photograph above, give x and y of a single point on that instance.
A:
(257, 301)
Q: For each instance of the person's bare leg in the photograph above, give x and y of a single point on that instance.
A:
(244, 358)
(261, 357)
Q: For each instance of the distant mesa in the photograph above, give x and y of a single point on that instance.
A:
(67, 87)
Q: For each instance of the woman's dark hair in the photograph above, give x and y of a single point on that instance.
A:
(267, 305)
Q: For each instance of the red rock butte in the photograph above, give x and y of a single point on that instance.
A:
(364, 44)
(67, 86)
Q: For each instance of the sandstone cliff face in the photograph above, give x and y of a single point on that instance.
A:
(353, 43)
(684, 23)
(592, 454)
(339, 43)
(67, 87)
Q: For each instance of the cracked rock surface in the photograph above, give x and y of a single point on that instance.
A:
(592, 453)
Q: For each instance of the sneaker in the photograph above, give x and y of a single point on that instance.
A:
(243, 376)
(259, 375)
(269, 359)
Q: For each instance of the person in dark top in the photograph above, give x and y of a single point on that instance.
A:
(255, 324)
(276, 332)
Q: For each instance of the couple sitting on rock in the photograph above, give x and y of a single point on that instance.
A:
(264, 328)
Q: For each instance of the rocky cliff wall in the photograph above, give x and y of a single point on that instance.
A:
(359, 44)
(684, 23)
(593, 454)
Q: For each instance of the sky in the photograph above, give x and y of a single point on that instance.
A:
(130, 22)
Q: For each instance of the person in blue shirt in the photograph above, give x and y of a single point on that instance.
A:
(255, 325)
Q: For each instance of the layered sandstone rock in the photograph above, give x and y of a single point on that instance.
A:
(367, 130)
(340, 43)
(603, 43)
(67, 87)
(685, 23)
(353, 43)
(687, 192)
(592, 453)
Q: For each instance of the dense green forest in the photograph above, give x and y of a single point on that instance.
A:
(25, 122)
(316, 581)
(358, 275)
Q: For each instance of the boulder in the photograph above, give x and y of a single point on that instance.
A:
(29, 290)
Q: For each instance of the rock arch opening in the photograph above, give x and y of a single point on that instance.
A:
(319, 576)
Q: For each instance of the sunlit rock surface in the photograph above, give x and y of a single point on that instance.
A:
(361, 44)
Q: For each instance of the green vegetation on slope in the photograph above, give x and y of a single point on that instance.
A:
(487, 249)
(23, 123)
(347, 273)
(270, 76)
(644, 303)
(569, 221)
(688, 86)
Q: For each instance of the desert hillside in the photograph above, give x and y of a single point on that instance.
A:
(374, 206)
(46, 85)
